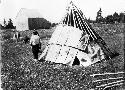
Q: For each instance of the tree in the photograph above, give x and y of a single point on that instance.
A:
(10, 25)
(53, 24)
(99, 18)
(116, 17)
(122, 17)
(109, 19)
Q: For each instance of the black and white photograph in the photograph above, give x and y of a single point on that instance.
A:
(62, 44)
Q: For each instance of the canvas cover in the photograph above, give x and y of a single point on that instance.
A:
(74, 40)
(65, 44)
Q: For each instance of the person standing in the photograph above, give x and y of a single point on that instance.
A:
(35, 42)
(17, 36)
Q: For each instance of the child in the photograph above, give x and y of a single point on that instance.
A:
(26, 39)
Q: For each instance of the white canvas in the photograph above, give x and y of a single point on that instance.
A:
(65, 44)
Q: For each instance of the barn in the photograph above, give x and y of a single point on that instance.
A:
(28, 19)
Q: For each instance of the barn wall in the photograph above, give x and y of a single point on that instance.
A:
(22, 23)
(38, 23)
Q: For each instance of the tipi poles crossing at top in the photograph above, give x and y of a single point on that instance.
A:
(79, 20)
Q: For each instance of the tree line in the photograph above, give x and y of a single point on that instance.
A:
(110, 19)
(45, 24)
(8, 25)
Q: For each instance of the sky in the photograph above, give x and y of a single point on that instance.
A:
(54, 10)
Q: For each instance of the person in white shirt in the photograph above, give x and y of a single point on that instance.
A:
(35, 42)
(17, 36)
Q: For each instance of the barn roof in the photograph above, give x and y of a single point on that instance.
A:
(30, 13)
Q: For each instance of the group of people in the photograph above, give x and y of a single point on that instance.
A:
(35, 43)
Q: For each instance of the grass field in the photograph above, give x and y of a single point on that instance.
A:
(20, 72)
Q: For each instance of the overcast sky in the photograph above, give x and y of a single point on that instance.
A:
(54, 10)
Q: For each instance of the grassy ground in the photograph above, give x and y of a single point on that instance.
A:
(20, 72)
